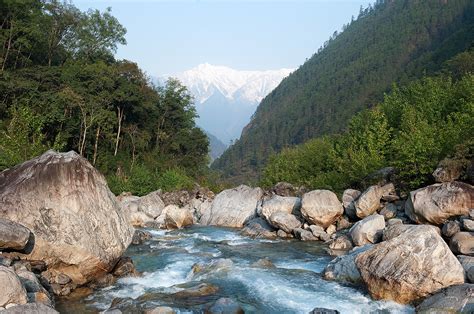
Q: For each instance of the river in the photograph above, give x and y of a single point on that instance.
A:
(293, 283)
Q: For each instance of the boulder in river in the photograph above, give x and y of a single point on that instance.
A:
(343, 268)
(233, 207)
(13, 236)
(321, 207)
(259, 228)
(12, 291)
(454, 299)
(279, 204)
(174, 217)
(225, 306)
(463, 243)
(78, 227)
(437, 203)
(369, 201)
(342, 243)
(410, 265)
(284, 221)
(368, 230)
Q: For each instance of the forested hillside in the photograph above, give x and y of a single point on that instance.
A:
(391, 42)
(61, 88)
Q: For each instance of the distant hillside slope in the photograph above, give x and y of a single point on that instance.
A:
(395, 41)
(216, 147)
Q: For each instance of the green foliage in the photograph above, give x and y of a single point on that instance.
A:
(391, 42)
(413, 129)
(62, 88)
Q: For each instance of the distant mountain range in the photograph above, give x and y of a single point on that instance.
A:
(226, 98)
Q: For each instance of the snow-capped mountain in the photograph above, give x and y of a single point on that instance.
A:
(226, 98)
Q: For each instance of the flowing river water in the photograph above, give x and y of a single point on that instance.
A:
(293, 284)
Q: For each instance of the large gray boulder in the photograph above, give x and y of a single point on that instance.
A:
(436, 203)
(321, 207)
(463, 243)
(12, 291)
(343, 268)
(409, 266)
(13, 236)
(77, 223)
(368, 230)
(467, 263)
(279, 204)
(284, 221)
(233, 207)
(369, 201)
(454, 299)
(142, 210)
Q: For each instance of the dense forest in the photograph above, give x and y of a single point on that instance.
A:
(390, 42)
(62, 88)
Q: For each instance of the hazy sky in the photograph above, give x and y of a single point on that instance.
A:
(166, 37)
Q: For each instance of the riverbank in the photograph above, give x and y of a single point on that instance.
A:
(414, 249)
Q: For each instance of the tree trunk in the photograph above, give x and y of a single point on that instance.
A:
(8, 46)
(119, 117)
(96, 145)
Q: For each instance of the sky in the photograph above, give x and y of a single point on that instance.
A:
(167, 37)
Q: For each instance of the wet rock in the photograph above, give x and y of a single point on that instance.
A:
(278, 203)
(225, 306)
(348, 198)
(284, 221)
(320, 310)
(304, 235)
(368, 230)
(12, 291)
(463, 243)
(140, 236)
(409, 266)
(319, 232)
(369, 201)
(284, 189)
(259, 228)
(13, 236)
(467, 263)
(468, 224)
(161, 310)
(124, 267)
(174, 217)
(79, 225)
(263, 263)
(200, 290)
(437, 203)
(30, 308)
(454, 299)
(343, 268)
(321, 207)
(450, 228)
(233, 207)
(342, 243)
(221, 264)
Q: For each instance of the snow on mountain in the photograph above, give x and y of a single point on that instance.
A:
(226, 98)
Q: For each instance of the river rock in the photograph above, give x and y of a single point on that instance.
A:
(259, 228)
(161, 310)
(304, 235)
(343, 268)
(13, 236)
(279, 204)
(463, 243)
(369, 201)
(151, 204)
(468, 224)
(348, 198)
(12, 291)
(225, 306)
(448, 170)
(283, 234)
(409, 266)
(454, 299)
(389, 211)
(319, 232)
(450, 228)
(233, 207)
(321, 310)
(368, 230)
(321, 207)
(437, 203)
(202, 289)
(467, 263)
(124, 267)
(30, 308)
(140, 236)
(77, 223)
(220, 264)
(342, 243)
(174, 217)
(284, 221)
(343, 223)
